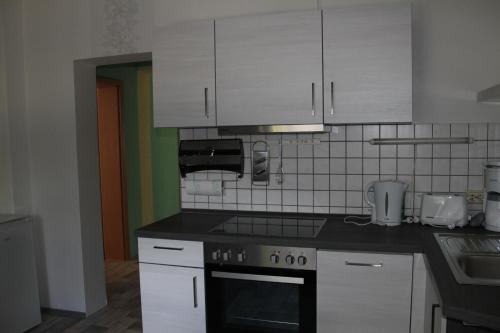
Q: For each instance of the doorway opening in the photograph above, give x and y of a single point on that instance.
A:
(138, 165)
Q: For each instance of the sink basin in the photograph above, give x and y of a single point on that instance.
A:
(481, 266)
(473, 259)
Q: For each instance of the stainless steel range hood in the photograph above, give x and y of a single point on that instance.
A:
(490, 95)
(270, 129)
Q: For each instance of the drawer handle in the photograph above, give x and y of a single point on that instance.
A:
(313, 90)
(332, 101)
(168, 248)
(363, 264)
(206, 102)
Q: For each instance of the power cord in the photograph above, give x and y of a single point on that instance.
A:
(349, 219)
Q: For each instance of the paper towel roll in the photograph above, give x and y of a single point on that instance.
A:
(204, 187)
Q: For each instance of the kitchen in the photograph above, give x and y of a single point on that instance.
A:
(323, 173)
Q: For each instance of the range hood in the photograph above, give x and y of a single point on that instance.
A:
(490, 95)
(270, 129)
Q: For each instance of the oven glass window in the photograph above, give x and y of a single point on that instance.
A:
(259, 306)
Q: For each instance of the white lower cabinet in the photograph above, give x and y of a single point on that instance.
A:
(172, 296)
(363, 292)
(173, 299)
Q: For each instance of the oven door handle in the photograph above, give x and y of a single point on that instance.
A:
(257, 277)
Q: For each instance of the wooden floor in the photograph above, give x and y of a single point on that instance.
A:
(123, 313)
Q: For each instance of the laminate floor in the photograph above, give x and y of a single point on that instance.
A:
(123, 313)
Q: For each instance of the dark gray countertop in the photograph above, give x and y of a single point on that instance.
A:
(472, 304)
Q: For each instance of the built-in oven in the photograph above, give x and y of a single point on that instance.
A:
(260, 289)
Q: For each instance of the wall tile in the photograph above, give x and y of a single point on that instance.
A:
(322, 149)
(338, 182)
(388, 131)
(337, 133)
(440, 166)
(440, 183)
(370, 132)
(354, 183)
(337, 166)
(305, 198)
(478, 131)
(354, 149)
(406, 131)
(405, 166)
(354, 166)
(322, 166)
(459, 130)
(441, 130)
(305, 182)
(321, 182)
(290, 197)
(305, 165)
(459, 166)
(330, 176)
(423, 131)
(321, 198)
(387, 166)
(371, 166)
(458, 183)
(370, 150)
(478, 149)
(354, 133)
(337, 149)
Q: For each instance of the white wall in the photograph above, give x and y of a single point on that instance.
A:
(457, 55)
(6, 204)
(16, 105)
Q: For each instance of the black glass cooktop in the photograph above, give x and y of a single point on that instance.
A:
(271, 226)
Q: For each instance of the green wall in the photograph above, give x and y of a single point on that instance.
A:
(165, 174)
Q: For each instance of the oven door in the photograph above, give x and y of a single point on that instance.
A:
(260, 300)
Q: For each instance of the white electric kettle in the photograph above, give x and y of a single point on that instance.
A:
(386, 198)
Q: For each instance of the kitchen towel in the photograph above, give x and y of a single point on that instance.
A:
(204, 187)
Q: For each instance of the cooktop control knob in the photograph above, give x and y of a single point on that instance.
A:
(290, 259)
(216, 255)
(301, 260)
(241, 256)
(274, 258)
(226, 255)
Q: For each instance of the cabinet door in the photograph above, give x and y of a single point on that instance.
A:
(172, 299)
(363, 292)
(269, 69)
(184, 75)
(368, 64)
(19, 305)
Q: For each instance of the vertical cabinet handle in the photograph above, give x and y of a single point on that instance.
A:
(332, 98)
(433, 317)
(195, 292)
(313, 112)
(206, 103)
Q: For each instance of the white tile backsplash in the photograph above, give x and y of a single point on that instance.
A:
(329, 176)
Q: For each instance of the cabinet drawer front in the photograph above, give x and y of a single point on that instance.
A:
(171, 252)
(374, 287)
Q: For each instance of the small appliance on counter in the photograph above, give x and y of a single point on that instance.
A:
(386, 200)
(444, 210)
(491, 201)
(199, 155)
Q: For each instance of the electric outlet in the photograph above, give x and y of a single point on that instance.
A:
(475, 197)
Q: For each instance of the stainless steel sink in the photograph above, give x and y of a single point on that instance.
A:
(473, 259)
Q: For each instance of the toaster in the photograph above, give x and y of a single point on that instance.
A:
(445, 210)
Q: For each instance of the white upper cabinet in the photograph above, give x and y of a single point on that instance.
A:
(368, 64)
(184, 75)
(269, 69)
